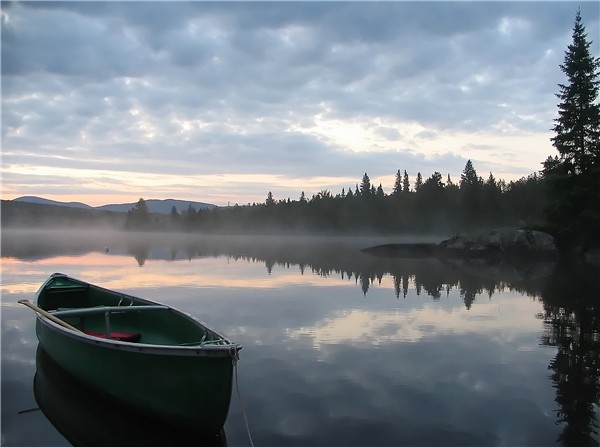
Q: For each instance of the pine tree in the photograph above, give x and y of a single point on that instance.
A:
(138, 217)
(365, 186)
(469, 176)
(577, 127)
(270, 201)
(572, 178)
(174, 217)
(405, 183)
(470, 194)
(419, 181)
(397, 184)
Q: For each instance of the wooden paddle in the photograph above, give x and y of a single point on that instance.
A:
(48, 315)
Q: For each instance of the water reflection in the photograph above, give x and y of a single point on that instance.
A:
(572, 315)
(87, 418)
(444, 340)
(327, 257)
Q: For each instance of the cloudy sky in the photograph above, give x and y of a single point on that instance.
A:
(107, 102)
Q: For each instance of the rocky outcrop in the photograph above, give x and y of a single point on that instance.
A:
(499, 242)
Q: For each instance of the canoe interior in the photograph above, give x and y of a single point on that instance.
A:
(154, 326)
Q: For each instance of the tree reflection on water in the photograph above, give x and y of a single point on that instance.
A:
(569, 293)
(572, 316)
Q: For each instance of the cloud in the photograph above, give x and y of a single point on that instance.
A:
(293, 90)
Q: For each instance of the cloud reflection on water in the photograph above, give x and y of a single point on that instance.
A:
(328, 361)
(364, 327)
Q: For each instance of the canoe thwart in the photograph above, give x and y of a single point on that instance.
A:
(106, 309)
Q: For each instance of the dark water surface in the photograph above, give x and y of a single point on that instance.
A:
(340, 347)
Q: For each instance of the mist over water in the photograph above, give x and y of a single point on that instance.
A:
(341, 347)
(38, 242)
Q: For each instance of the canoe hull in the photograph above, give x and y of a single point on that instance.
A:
(189, 387)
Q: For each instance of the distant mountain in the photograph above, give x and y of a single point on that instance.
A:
(43, 201)
(154, 205)
(51, 214)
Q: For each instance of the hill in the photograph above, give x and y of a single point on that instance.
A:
(154, 205)
(23, 214)
(42, 201)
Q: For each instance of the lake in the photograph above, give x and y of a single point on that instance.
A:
(340, 347)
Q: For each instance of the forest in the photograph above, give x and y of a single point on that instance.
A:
(417, 206)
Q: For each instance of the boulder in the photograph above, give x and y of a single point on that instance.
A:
(500, 241)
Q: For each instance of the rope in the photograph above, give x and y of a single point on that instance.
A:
(235, 357)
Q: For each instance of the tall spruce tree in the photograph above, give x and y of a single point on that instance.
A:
(365, 186)
(418, 182)
(397, 184)
(573, 177)
(470, 194)
(405, 183)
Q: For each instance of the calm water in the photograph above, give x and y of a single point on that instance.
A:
(340, 347)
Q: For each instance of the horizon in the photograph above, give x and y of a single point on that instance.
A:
(387, 191)
(104, 103)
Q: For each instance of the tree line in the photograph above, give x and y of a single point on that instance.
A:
(414, 205)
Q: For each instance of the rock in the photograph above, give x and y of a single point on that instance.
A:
(500, 241)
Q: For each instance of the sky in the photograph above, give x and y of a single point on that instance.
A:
(107, 102)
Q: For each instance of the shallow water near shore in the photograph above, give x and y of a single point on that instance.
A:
(340, 347)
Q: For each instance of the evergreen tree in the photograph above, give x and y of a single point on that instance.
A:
(491, 194)
(577, 127)
(190, 217)
(397, 184)
(270, 200)
(419, 181)
(469, 176)
(573, 177)
(365, 186)
(405, 183)
(174, 218)
(470, 194)
(138, 217)
(430, 196)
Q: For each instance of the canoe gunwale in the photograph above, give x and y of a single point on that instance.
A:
(207, 350)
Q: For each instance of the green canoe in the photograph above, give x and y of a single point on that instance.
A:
(159, 360)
